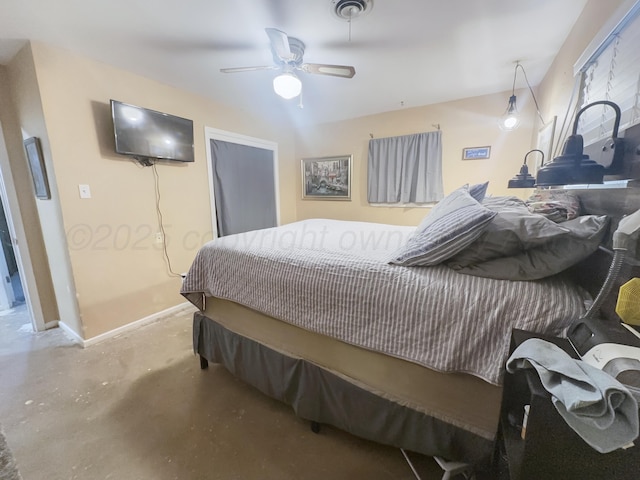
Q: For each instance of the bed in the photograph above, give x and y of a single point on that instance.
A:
(336, 318)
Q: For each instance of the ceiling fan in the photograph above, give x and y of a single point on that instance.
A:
(287, 55)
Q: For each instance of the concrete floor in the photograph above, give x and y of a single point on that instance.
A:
(138, 406)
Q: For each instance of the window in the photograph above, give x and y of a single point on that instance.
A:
(405, 169)
(612, 72)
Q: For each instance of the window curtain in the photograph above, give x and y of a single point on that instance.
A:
(405, 169)
(613, 73)
(243, 186)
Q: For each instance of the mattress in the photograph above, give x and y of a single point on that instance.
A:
(334, 278)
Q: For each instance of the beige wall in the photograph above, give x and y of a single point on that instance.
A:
(18, 185)
(26, 95)
(556, 88)
(118, 270)
(468, 122)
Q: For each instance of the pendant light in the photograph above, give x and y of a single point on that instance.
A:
(573, 166)
(524, 179)
(510, 119)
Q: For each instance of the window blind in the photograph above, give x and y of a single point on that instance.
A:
(613, 74)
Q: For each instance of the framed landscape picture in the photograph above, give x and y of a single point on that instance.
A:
(326, 178)
(36, 165)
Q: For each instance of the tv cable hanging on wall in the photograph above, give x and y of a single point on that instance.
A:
(161, 224)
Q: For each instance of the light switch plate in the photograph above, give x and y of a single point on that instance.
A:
(85, 191)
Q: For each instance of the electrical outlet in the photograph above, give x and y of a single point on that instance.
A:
(159, 237)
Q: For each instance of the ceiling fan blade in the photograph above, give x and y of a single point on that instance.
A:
(248, 69)
(324, 69)
(280, 44)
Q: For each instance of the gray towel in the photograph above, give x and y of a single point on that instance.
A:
(598, 407)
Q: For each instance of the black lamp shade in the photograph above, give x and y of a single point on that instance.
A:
(573, 167)
(570, 168)
(523, 179)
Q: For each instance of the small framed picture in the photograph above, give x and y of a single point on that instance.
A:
(37, 167)
(476, 153)
(326, 178)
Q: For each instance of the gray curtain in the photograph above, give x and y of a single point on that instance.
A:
(405, 169)
(244, 187)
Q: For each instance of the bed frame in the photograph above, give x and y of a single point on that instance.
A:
(368, 394)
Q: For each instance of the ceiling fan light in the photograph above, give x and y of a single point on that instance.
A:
(287, 85)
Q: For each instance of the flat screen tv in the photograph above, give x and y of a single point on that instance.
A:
(147, 134)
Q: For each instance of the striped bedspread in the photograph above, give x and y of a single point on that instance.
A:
(332, 277)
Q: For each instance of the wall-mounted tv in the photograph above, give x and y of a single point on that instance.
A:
(147, 134)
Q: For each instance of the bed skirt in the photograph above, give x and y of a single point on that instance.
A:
(320, 395)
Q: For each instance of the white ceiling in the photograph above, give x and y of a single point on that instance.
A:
(406, 53)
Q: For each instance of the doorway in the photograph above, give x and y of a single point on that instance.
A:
(18, 287)
(15, 318)
(243, 182)
(13, 294)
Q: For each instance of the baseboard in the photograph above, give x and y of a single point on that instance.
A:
(70, 332)
(50, 325)
(128, 327)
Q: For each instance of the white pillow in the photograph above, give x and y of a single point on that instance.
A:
(453, 224)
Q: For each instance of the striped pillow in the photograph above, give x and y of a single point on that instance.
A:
(478, 190)
(453, 224)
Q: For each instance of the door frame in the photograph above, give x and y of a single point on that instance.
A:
(239, 139)
(13, 214)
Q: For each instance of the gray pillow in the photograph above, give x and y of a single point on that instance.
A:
(478, 190)
(453, 224)
(498, 202)
(513, 230)
(586, 233)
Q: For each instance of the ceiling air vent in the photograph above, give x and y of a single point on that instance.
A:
(351, 9)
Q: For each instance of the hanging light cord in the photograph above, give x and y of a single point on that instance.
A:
(530, 89)
(515, 75)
